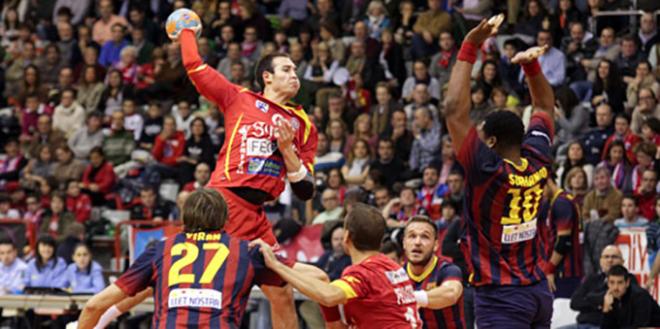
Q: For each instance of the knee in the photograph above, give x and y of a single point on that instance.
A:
(279, 296)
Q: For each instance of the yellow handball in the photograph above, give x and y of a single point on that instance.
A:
(182, 19)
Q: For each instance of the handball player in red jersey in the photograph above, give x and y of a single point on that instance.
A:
(374, 292)
(268, 141)
(506, 171)
(200, 278)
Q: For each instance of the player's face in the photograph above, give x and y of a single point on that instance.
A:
(419, 243)
(617, 285)
(284, 78)
(7, 254)
(82, 257)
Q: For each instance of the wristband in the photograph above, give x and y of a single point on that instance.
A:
(295, 177)
(468, 52)
(110, 314)
(549, 268)
(422, 298)
(532, 68)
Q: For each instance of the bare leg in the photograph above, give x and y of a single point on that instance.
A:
(282, 308)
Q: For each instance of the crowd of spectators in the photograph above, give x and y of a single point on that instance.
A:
(97, 111)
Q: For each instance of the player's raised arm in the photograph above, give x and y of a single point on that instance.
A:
(543, 98)
(458, 103)
(209, 82)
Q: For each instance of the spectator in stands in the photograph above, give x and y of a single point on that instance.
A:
(67, 44)
(630, 213)
(50, 65)
(426, 146)
(616, 162)
(361, 130)
(430, 194)
(532, 21)
(646, 194)
(12, 268)
(325, 159)
(57, 219)
(139, 21)
(443, 61)
(119, 144)
(589, 296)
(336, 182)
(489, 77)
(578, 45)
(646, 108)
(38, 169)
(126, 63)
(382, 110)
(69, 116)
(604, 201)
(114, 94)
(571, 116)
(399, 133)
(112, 49)
(623, 133)
(22, 75)
(356, 169)
(150, 207)
(83, 140)
(427, 28)
(103, 30)
(392, 59)
(651, 131)
(336, 133)
(628, 58)
(183, 116)
(84, 275)
(168, 150)
(31, 108)
(331, 207)
(11, 163)
(66, 168)
(6, 212)
(576, 183)
(144, 47)
(627, 305)
(202, 176)
(645, 154)
(133, 121)
(152, 126)
(377, 19)
(78, 203)
(381, 197)
(297, 54)
(45, 269)
(575, 159)
(90, 89)
(643, 78)
(609, 87)
(233, 56)
(387, 164)
(421, 75)
(44, 135)
(251, 47)
(90, 53)
(99, 177)
(648, 32)
(606, 49)
(553, 62)
(594, 140)
(420, 98)
(199, 147)
(399, 210)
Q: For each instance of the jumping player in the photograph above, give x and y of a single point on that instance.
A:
(200, 277)
(438, 282)
(563, 266)
(374, 292)
(505, 171)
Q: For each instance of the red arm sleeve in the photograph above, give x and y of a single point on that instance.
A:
(209, 82)
(106, 178)
(157, 151)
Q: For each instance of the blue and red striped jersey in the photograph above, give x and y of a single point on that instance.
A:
(441, 270)
(561, 213)
(201, 278)
(501, 206)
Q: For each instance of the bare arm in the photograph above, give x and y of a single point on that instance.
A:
(543, 98)
(448, 294)
(96, 306)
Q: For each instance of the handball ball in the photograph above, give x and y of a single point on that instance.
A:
(182, 19)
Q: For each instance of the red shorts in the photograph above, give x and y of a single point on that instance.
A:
(246, 221)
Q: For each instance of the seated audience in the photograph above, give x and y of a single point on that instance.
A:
(84, 275)
(45, 269)
(12, 268)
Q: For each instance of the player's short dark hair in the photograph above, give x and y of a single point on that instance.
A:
(425, 220)
(265, 64)
(391, 247)
(506, 126)
(618, 270)
(365, 226)
(204, 210)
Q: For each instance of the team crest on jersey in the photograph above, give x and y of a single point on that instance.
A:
(263, 106)
(295, 123)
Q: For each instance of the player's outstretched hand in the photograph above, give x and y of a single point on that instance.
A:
(269, 256)
(285, 134)
(529, 55)
(485, 30)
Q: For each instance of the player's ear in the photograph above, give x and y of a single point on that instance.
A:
(267, 77)
(491, 141)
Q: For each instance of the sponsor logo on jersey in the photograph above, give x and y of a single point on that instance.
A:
(405, 295)
(263, 106)
(519, 233)
(396, 277)
(187, 297)
(260, 147)
(268, 167)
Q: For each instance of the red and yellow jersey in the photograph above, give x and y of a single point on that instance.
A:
(380, 295)
(249, 157)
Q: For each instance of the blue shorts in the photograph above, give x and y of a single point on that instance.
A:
(513, 307)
